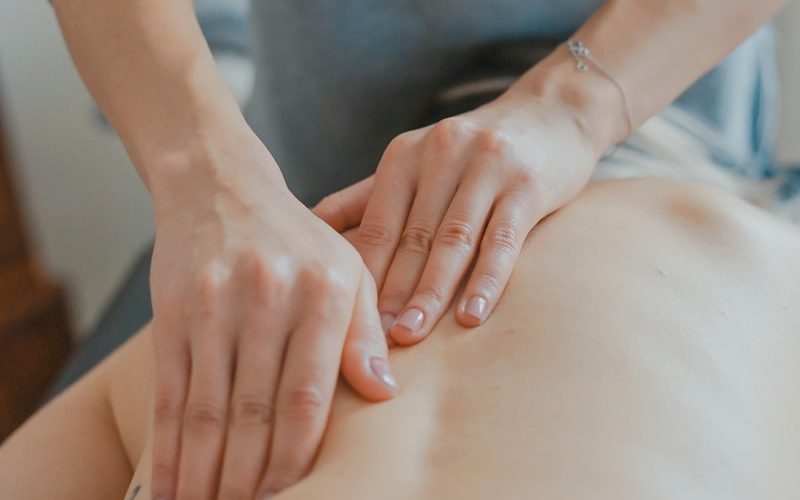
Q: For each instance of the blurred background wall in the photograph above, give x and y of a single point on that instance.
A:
(789, 28)
(86, 208)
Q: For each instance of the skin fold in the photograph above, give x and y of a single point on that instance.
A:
(646, 347)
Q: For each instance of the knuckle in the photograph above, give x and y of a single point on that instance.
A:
(167, 408)
(163, 472)
(416, 239)
(210, 277)
(204, 417)
(329, 281)
(489, 284)
(162, 468)
(328, 289)
(304, 403)
(257, 274)
(399, 146)
(374, 233)
(504, 237)
(251, 411)
(432, 293)
(526, 179)
(447, 132)
(269, 282)
(492, 141)
(456, 234)
(253, 265)
(208, 286)
(404, 140)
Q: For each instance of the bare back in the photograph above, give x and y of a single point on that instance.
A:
(646, 347)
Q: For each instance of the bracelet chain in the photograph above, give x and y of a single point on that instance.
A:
(582, 54)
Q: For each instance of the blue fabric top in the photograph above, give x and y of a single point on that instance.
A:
(336, 80)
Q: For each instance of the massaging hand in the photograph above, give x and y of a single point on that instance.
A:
(256, 302)
(466, 190)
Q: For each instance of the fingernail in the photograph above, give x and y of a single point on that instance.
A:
(387, 320)
(411, 319)
(267, 495)
(380, 367)
(476, 307)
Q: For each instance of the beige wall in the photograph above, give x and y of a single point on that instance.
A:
(87, 209)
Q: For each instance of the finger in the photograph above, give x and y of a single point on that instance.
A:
(387, 208)
(441, 172)
(454, 248)
(172, 384)
(365, 358)
(512, 220)
(343, 209)
(259, 359)
(309, 375)
(205, 413)
(409, 261)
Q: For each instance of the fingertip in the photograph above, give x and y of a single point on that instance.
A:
(408, 328)
(379, 366)
(365, 363)
(473, 311)
(371, 376)
(467, 320)
(403, 336)
(330, 213)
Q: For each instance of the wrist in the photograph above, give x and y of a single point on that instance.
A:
(186, 116)
(199, 174)
(593, 101)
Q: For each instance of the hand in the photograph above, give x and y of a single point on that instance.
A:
(464, 191)
(256, 301)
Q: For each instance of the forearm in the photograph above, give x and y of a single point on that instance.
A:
(654, 50)
(147, 65)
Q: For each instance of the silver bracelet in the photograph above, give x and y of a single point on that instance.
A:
(581, 53)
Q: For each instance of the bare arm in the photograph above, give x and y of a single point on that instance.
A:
(149, 68)
(437, 210)
(655, 49)
(244, 377)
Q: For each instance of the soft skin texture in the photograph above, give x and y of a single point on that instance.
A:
(217, 191)
(646, 347)
(235, 252)
(468, 190)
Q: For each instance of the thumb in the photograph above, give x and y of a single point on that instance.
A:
(344, 209)
(365, 360)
